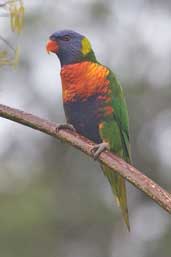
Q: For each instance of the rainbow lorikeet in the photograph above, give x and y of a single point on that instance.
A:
(94, 103)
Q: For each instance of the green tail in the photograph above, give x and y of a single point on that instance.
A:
(119, 190)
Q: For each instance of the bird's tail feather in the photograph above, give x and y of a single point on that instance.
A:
(119, 190)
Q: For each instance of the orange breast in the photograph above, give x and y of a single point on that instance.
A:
(82, 80)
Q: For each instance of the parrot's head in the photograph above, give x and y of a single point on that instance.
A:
(70, 47)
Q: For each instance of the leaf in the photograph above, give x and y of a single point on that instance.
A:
(4, 59)
(3, 54)
(16, 10)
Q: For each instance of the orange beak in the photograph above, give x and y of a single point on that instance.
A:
(52, 46)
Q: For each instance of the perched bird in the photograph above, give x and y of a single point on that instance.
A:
(94, 103)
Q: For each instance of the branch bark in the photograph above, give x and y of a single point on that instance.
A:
(131, 174)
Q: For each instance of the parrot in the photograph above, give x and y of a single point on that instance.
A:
(94, 104)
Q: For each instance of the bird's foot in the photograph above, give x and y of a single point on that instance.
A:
(98, 149)
(65, 126)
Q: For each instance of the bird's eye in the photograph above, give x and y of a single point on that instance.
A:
(66, 38)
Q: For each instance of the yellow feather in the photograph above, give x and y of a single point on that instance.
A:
(86, 46)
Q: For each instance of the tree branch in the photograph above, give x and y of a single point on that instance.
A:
(134, 176)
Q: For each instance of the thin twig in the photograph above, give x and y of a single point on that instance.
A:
(131, 174)
(7, 43)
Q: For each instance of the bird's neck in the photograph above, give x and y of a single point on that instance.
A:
(82, 80)
(75, 57)
(90, 57)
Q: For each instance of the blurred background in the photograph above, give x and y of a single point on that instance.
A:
(55, 201)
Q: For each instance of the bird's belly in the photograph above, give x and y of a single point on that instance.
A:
(84, 116)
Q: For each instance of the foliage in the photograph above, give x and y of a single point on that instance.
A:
(15, 10)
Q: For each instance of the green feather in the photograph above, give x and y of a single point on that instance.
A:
(115, 131)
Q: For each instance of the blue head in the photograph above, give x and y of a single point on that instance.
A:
(70, 47)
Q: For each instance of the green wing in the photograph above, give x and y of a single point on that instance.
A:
(115, 131)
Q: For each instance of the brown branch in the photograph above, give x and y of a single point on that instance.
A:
(134, 176)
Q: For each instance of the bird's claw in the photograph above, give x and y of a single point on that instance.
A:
(65, 126)
(96, 150)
